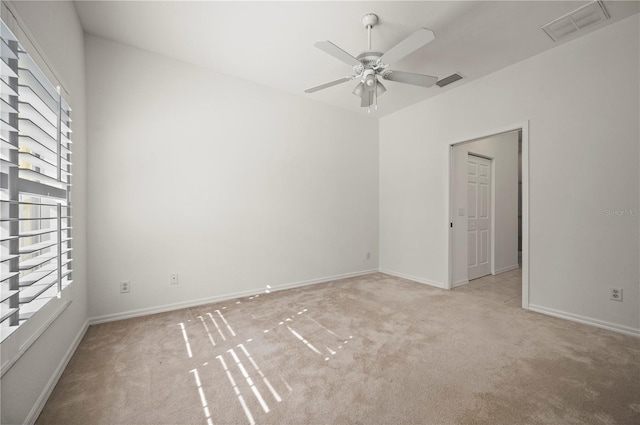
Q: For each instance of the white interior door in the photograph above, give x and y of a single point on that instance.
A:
(478, 216)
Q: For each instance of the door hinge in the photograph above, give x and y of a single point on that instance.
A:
(450, 224)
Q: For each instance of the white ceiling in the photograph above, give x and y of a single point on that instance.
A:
(271, 43)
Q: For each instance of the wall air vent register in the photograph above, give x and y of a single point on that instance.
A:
(588, 15)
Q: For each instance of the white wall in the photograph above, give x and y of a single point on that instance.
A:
(581, 100)
(231, 185)
(56, 30)
(503, 150)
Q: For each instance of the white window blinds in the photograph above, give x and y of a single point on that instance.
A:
(35, 187)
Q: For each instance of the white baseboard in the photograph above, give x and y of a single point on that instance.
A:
(460, 282)
(46, 391)
(506, 269)
(415, 278)
(218, 298)
(627, 330)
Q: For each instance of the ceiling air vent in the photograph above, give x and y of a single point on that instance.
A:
(585, 16)
(448, 80)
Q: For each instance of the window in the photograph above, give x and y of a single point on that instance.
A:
(35, 187)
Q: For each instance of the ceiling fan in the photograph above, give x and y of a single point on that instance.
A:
(368, 65)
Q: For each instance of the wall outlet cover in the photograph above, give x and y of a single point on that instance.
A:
(615, 294)
(125, 287)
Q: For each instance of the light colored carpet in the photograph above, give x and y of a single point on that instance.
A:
(367, 350)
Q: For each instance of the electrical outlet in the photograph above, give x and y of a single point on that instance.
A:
(615, 294)
(125, 287)
(173, 279)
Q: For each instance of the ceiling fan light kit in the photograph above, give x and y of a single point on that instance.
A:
(368, 65)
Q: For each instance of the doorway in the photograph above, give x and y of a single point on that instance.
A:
(488, 210)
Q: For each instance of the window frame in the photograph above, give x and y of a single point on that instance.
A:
(15, 342)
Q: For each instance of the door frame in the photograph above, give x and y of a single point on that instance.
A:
(523, 127)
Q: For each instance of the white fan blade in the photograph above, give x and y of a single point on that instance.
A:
(410, 78)
(329, 84)
(337, 53)
(367, 99)
(408, 46)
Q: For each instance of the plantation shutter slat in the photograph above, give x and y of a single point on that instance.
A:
(8, 276)
(29, 293)
(30, 144)
(37, 261)
(37, 276)
(7, 312)
(28, 112)
(7, 294)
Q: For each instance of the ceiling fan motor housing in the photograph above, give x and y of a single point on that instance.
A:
(369, 60)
